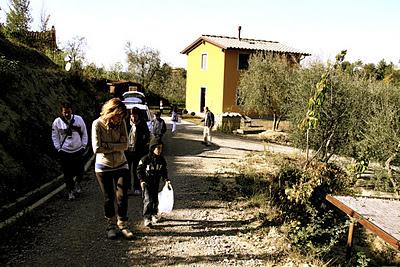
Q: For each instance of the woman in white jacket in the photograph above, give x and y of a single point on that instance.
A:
(109, 141)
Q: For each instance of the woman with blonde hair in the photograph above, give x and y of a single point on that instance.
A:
(109, 141)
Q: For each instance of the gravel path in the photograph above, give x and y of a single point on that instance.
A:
(205, 228)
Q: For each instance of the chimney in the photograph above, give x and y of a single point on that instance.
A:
(239, 29)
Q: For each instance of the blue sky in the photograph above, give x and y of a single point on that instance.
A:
(368, 29)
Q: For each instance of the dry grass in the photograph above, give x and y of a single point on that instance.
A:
(262, 124)
(284, 126)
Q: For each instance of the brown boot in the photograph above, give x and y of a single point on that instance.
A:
(123, 227)
(112, 228)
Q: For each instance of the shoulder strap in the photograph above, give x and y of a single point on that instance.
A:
(69, 127)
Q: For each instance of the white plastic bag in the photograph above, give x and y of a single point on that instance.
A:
(166, 199)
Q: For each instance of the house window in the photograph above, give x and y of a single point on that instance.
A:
(203, 61)
(202, 99)
(243, 63)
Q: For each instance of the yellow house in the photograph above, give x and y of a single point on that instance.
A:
(213, 66)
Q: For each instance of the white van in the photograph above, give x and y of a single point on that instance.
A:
(134, 97)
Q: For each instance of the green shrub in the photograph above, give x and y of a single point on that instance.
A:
(314, 226)
(7, 65)
(381, 181)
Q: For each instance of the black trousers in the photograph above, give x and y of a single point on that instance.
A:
(114, 186)
(72, 165)
(150, 200)
(133, 161)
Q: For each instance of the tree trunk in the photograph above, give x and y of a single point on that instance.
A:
(307, 147)
(277, 122)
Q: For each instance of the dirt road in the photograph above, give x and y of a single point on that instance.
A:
(205, 228)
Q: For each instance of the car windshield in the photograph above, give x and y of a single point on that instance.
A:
(134, 97)
(133, 100)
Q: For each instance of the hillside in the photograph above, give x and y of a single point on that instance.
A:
(32, 88)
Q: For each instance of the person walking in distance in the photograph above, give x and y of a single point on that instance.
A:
(151, 169)
(161, 106)
(109, 141)
(70, 139)
(138, 146)
(174, 119)
(158, 126)
(208, 124)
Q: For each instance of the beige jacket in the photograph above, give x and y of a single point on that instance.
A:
(109, 144)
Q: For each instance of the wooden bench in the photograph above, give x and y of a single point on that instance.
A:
(381, 216)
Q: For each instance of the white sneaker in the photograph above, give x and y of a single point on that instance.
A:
(71, 196)
(154, 219)
(147, 223)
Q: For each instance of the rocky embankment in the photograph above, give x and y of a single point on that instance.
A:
(31, 90)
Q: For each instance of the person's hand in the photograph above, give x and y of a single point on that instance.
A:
(143, 185)
(168, 183)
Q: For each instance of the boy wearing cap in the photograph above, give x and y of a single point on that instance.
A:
(151, 169)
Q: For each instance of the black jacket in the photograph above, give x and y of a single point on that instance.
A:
(142, 138)
(151, 168)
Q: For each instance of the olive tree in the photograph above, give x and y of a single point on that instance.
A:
(381, 136)
(330, 119)
(265, 87)
(175, 90)
(171, 83)
(143, 65)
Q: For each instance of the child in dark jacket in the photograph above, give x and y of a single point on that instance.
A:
(151, 169)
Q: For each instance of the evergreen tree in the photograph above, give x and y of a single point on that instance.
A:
(19, 17)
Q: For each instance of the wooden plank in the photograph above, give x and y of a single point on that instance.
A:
(381, 216)
(350, 239)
